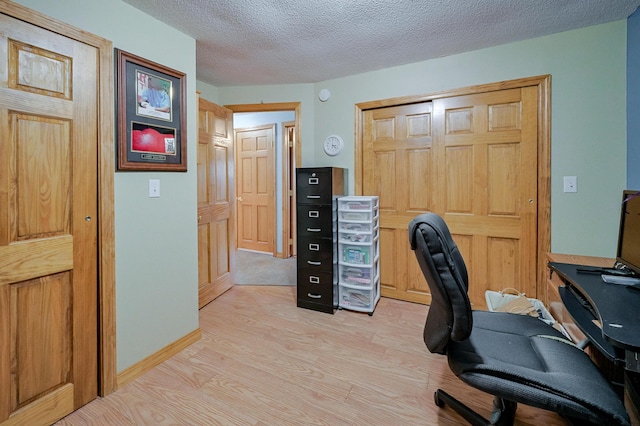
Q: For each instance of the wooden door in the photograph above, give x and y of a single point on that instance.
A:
(48, 224)
(398, 167)
(255, 188)
(471, 159)
(216, 233)
(487, 164)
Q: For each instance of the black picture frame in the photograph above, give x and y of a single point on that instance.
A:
(150, 117)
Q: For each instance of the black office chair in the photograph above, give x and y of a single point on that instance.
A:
(515, 358)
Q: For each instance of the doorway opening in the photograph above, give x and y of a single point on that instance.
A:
(286, 155)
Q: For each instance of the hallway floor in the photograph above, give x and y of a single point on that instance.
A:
(257, 268)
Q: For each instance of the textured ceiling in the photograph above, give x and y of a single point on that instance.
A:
(257, 42)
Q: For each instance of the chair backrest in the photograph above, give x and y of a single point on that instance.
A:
(443, 267)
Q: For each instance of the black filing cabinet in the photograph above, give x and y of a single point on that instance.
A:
(317, 190)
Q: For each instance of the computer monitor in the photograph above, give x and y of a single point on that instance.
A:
(628, 253)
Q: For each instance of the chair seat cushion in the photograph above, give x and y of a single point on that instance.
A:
(523, 359)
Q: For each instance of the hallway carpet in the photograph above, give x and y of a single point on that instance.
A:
(263, 269)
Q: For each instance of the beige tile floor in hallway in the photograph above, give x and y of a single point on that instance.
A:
(263, 361)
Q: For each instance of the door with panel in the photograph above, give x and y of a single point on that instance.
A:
(48, 224)
(216, 217)
(398, 168)
(471, 159)
(255, 188)
(486, 160)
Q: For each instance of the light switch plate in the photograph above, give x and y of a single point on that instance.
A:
(570, 184)
(154, 188)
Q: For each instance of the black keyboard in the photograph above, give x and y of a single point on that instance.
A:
(606, 271)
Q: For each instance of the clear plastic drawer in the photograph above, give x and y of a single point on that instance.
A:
(358, 203)
(357, 298)
(360, 276)
(365, 235)
(354, 254)
(363, 216)
(356, 227)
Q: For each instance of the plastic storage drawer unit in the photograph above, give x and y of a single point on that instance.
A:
(358, 253)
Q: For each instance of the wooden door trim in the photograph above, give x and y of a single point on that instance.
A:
(277, 106)
(543, 84)
(107, 374)
(288, 196)
(297, 152)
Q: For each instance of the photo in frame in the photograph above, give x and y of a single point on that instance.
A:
(151, 130)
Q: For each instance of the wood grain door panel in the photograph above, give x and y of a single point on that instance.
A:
(473, 160)
(397, 153)
(489, 152)
(48, 225)
(255, 176)
(216, 237)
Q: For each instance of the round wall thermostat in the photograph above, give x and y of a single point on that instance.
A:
(333, 145)
(324, 95)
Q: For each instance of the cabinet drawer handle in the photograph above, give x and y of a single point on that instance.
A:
(313, 196)
(314, 296)
(314, 247)
(314, 263)
(313, 181)
(314, 213)
(314, 280)
(314, 229)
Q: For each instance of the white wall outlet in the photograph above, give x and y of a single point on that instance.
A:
(154, 188)
(570, 184)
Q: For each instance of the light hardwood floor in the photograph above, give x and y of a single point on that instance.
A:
(262, 361)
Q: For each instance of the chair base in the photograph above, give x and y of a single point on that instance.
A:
(503, 414)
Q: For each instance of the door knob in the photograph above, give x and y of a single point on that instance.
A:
(239, 199)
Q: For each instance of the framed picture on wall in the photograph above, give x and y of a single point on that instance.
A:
(151, 130)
